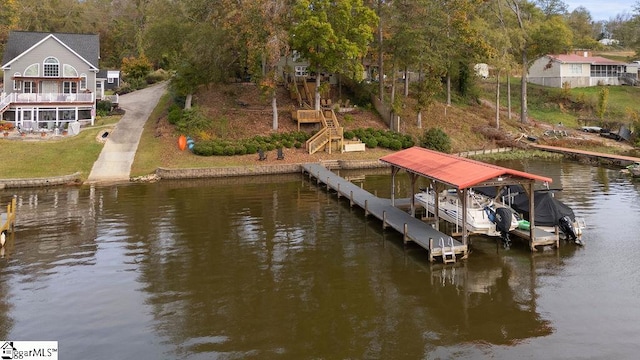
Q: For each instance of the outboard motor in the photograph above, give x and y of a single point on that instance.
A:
(503, 224)
(566, 225)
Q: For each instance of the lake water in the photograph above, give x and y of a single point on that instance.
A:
(276, 268)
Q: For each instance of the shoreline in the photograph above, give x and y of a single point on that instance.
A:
(275, 169)
(196, 173)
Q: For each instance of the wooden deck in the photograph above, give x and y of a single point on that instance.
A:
(620, 160)
(436, 243)
(540, 237)
(8, 218)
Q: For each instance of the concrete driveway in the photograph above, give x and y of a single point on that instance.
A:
(115, 160)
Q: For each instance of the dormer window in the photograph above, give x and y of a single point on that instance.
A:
(51, 67)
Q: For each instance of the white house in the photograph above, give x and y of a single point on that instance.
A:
(578, 70)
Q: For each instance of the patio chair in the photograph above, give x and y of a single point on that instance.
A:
(261, 155)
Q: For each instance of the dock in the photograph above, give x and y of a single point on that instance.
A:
(613, 159)
(438, 244)
(540, 237)
(8, 218)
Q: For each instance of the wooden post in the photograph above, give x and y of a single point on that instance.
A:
(338, 190)
(384, 219)
(366, 207)
(406, 230)
(351, 199)
(430, 249)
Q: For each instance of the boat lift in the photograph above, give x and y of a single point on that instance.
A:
(451, 171)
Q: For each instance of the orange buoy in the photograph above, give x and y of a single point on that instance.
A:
(182, 142)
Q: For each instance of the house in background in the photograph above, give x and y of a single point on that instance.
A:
(106, 80)
(49, 79)
(577, 70)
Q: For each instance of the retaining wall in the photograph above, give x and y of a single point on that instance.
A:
(40, 182)
(164, 173)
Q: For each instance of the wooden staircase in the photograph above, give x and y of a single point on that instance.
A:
(5, 102)
(331, 132)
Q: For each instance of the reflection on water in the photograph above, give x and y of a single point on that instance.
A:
(274, 267)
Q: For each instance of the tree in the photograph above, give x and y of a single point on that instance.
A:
(535, 36)
(8, 20)
(496, 31)
(332, 35)
(268, 43)
(603, 102)
(583, 28)
(552, 7)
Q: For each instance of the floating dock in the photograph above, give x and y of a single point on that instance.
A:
(8, 218)
(436, 243)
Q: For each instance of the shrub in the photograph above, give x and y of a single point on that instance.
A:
(407, 142)
(395, 144)
(104, 106)
(349, 135)
(251, 148)
(371, 143)
(175, 114)
(203, 149)
(436, 139)
(218, 150)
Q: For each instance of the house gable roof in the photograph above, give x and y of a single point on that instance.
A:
(578, 59)
(85, 46)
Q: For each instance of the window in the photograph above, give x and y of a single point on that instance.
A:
(32, 70)
(29, 87)
(17, 84)
(110, 80)
(83, 81)
(295, 56)
(69, 71)
(576, 68)
(51, 67)
(301, 71)
(69, 87)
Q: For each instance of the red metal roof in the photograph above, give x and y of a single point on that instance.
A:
(577, 59)
(453, 170)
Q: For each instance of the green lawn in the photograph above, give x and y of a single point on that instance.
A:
(554, 105)
(55, 157)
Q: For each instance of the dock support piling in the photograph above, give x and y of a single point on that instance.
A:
(351, 199)
(366, 208)
(384, 220)
(405, 237)
(339, 191)
(431, 257)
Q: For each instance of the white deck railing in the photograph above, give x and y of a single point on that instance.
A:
(53, 97)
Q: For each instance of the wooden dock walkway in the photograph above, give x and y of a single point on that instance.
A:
(8, 219)
(614, 159)
(436, 243)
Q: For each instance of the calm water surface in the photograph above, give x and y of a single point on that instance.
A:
(275, 268)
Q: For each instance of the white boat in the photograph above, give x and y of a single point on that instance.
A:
(481, 210)
(550, 213)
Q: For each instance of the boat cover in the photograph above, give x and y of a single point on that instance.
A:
(548, 209)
